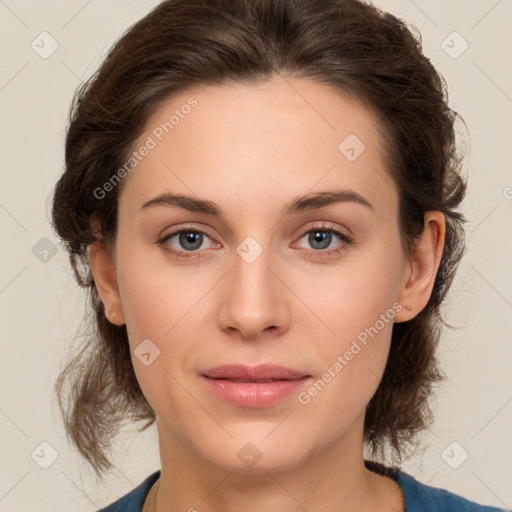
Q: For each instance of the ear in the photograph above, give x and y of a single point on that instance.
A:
(101, 262)
(421, 269)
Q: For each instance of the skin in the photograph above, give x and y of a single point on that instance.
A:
(252, 149)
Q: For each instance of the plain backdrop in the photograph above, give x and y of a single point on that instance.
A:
(41, 306)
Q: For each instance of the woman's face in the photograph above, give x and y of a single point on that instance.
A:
(257, 277)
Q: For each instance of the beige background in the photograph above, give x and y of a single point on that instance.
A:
(41, 307)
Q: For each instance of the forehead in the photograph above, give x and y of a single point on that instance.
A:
(247, 142)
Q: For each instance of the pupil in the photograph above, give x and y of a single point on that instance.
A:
(189, 240)
(322, 237)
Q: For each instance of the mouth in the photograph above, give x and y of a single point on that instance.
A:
(253, 387)
(260, 373)
(259, 381)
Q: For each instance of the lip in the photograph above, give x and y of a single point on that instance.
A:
(253, 387)
(253, 373)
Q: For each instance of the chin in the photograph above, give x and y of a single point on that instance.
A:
(255, 454)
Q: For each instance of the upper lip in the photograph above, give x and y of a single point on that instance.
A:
(257, 373)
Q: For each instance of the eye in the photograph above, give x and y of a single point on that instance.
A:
(321, 237)
(188, 242)
(184, 241)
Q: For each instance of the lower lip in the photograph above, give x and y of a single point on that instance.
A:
(254, 394)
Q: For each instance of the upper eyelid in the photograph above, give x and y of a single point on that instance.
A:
(331, 228)
(174, 232)
(321, 227)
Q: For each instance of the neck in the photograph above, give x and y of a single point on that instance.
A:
(334, 478)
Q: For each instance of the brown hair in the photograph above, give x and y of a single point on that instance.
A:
(354, 47)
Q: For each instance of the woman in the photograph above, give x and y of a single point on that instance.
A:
(261, 198)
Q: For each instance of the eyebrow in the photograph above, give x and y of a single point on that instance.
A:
(300, 204)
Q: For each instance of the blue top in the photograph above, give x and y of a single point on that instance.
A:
(418, 497)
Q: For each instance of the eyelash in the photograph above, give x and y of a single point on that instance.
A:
(322, 253)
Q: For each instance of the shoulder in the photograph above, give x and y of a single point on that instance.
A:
(425, 498)
(132, 502)
(421, 498)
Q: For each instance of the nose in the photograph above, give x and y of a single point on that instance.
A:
(254, 300)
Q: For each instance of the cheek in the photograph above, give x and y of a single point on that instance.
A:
(170, 306)
(354, 295)
(357, 307)
(160, 304)
(157, 296)
(351, 365)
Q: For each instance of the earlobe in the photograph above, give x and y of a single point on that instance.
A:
(104, 273)
(420, 273)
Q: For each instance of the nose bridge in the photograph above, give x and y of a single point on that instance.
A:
(253, 299)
